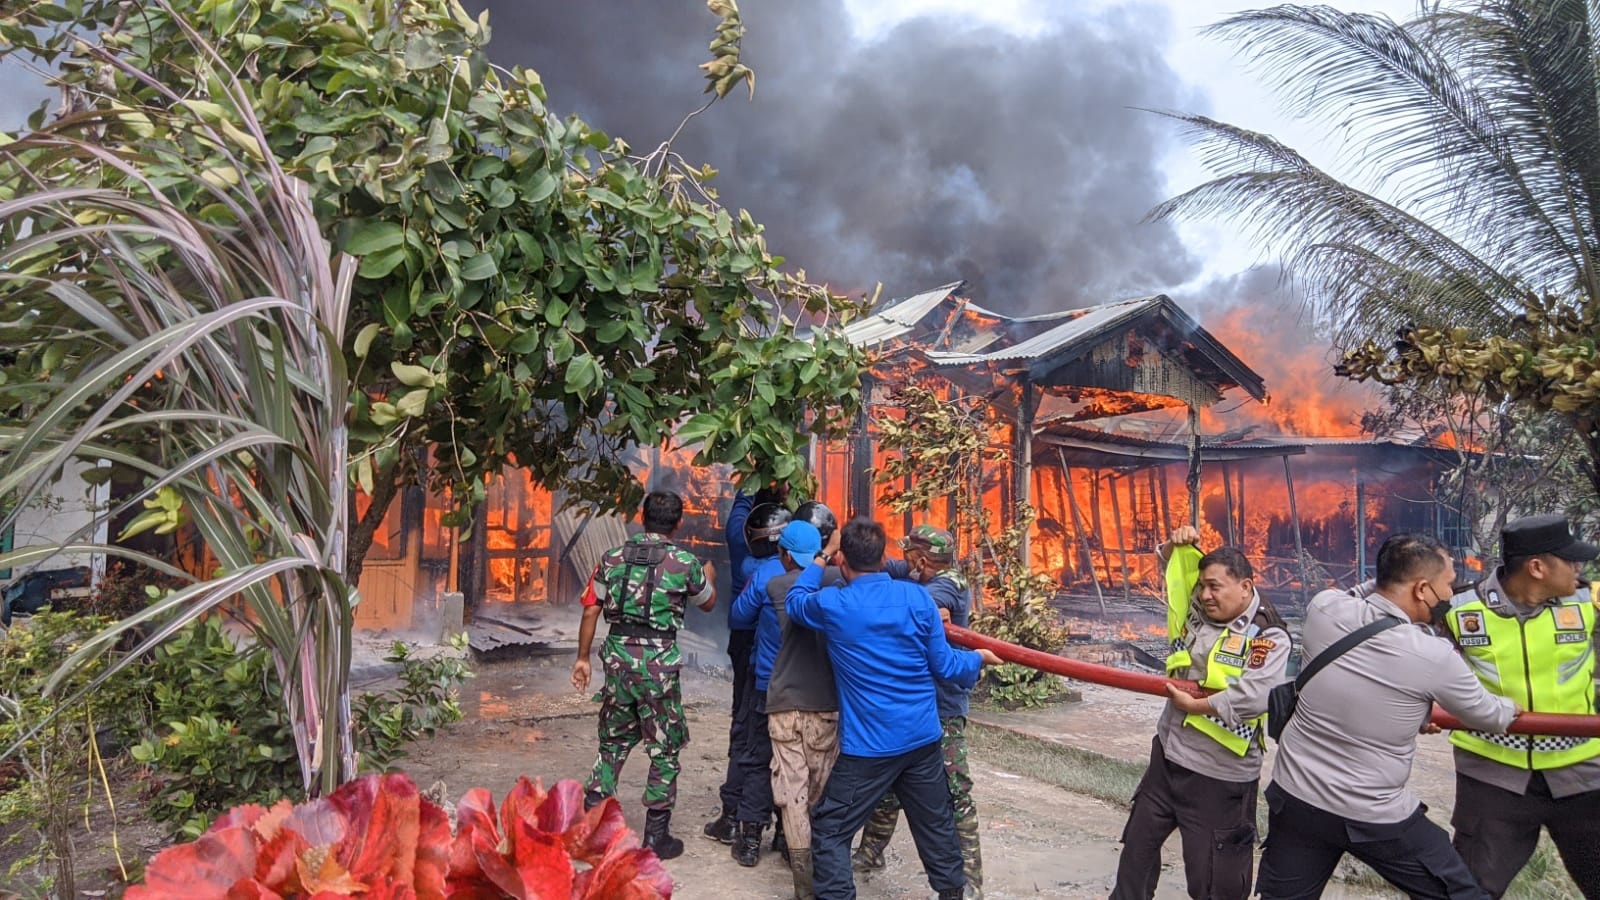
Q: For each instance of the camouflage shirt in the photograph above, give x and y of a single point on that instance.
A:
(680, 579)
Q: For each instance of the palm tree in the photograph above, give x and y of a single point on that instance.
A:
(203, 354)
(1470, 227)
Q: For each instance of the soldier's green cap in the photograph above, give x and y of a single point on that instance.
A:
(939, 544)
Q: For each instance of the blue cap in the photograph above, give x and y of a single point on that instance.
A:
(802, 540)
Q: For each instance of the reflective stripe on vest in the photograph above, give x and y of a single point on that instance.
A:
(1224, 666)
(1543, 664)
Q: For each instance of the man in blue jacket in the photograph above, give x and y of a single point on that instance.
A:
(751, 612)
(764, 511)
(887, 644)
(930, 560)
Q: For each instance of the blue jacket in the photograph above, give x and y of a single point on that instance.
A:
(947, 594)
(738, 550)
(886, 644)
(752, 609)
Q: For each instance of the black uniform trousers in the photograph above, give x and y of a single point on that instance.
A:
(755, 796)
(741, 645)
(1216, 820)
(917, 777)
(1304, 845)
(1497, 831)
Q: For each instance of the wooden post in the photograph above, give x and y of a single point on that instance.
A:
(1023, 455)
(1299, 547)
(1227, 499)
(1361, 530)
(1077, 528)
(1194, 467)
(1239, 474)
(1160, 475)
(1099, 525)
(861, 456)
(1122, 542)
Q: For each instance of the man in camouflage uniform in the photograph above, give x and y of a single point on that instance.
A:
(930, 559)
(642, 588)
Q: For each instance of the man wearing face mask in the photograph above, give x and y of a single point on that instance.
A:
(1527, 631)
(1205, 760)
(1339, 782)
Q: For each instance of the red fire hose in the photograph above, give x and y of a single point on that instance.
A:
(1526, 723)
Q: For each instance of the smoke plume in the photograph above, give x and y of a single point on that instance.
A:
(941, 149)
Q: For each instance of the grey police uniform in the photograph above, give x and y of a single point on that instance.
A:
(1339, 781)
(1194, 784)
(1500, 808)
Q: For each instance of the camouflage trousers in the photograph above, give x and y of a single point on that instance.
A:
(640, 702)
(953, 744)
(805, 745)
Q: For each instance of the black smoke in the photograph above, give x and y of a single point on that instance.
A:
(942, 149)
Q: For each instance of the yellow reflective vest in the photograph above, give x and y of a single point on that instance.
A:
(1224, 665)
(1183, 573)
(1544, 663)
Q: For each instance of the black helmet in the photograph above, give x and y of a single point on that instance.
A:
(818, 514)
(762, 528)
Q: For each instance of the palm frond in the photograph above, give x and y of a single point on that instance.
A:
(1291, 206)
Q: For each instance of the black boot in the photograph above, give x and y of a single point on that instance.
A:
(780, 844)
(747, 844)
(953, 894)
(656, 837)
(591, 799)
(721, 829)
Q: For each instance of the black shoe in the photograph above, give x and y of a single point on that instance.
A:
(656, 837)
(747, 844)
(953, 894)
(780, 844)
(591, 799)
(722, 828)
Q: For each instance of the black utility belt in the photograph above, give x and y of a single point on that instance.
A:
(634, 629)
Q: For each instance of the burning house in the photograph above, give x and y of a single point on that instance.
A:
(1111, 424)
(1114, 432)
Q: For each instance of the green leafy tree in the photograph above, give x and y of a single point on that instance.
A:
(530, 291)
(1460, 257)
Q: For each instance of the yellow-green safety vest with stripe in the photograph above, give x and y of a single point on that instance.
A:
(1224, 666)
(1183, 573)
(1544, 664)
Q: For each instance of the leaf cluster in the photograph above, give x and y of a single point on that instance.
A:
(528, 292)
(1467, 221)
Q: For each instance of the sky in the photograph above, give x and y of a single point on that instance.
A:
(1230, 91)
(915, 142)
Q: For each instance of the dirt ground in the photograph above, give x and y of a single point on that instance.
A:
(1039, 840)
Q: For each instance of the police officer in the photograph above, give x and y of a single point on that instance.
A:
(1339, 780)
(642, 588)
(886, 642)
(1205, 760)
(757, 516)
(930, 560)
(1527, 632)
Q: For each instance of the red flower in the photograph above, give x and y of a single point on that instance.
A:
(378, 838)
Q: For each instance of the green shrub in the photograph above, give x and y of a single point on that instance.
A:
(50, 780)
(223, 735)
(424, 702)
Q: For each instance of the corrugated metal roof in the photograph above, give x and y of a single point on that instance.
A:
(1096, 322)
(898, 318)
(1086, 323)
